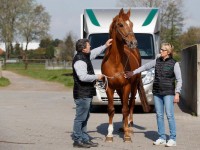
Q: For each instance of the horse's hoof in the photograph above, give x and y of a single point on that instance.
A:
(109, 139)
(127, 140)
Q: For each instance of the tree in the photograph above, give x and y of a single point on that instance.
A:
(44, 43)
(34, 25)
(22, 18)
(50, 51)
(56, 42)
(172, 23)
(9, 14)
(140, 3)
(190, 37)
(67, 48)
(70, 45)
(17, 50)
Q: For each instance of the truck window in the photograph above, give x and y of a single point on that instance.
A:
(145, 44)
(97, 40)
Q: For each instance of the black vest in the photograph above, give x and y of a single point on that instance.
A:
(83, 89)
(164, 82)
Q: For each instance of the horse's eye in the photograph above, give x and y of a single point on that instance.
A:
(120, 24)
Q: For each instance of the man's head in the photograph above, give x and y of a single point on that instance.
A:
(83, 45)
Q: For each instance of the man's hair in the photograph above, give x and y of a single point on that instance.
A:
(81, 44)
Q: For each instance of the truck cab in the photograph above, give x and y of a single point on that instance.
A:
(95, 24)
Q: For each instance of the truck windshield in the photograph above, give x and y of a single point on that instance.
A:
(145, 44)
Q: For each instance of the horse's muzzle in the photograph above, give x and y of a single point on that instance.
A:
(132, 44)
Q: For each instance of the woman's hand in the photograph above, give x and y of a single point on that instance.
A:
(176, 98)
(128, 74)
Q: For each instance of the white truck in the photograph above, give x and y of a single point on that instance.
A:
(95, 25)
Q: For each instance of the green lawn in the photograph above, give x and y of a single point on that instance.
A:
(38, 71)
(4, 82)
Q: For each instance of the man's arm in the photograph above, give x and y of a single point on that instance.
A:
(81, 71)
(97, 51)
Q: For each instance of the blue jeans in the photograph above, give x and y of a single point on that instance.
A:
(165, 102)
(81, 119)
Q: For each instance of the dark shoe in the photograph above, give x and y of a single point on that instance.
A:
(91, 144)
(81, 145)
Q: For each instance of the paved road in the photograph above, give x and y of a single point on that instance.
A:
(38, 115)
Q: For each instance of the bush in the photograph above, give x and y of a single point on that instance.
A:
(4, 82)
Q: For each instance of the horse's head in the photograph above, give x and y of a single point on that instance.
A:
(124, 28)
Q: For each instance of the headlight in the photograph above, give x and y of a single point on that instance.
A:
(149, 77)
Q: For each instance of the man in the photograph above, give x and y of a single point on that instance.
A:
(83, 92)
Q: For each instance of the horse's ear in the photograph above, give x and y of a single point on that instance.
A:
(129, 13)
(121, 12)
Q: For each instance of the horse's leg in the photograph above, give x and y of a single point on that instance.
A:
(131, 106)
(119, 92)
(125, 111)
(111, 112)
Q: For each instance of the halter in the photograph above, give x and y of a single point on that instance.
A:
(116, 75)
(125, 36)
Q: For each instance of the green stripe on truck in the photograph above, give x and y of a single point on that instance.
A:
(150, 17)
(92, 17)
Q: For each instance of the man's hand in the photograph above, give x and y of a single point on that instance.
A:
(109, 42)
(100, 76)
(176, 98)
(128, 74)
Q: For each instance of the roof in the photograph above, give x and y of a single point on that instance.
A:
(145, 20)
(1, 51)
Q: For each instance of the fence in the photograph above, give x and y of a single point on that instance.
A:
(53, 65)
(48, 64)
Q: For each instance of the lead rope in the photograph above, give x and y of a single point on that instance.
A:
(105, 85)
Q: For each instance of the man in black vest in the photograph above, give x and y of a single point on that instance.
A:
(83, 92)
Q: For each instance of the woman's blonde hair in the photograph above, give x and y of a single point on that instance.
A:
(168, 47)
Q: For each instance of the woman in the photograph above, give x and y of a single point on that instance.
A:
(165, 92)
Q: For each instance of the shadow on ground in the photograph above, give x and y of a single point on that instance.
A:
(183, 107)
(118, 109)
(102, 129)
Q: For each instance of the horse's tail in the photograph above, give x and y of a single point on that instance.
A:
(143, 97)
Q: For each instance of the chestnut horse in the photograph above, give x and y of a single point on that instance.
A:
(123, 55)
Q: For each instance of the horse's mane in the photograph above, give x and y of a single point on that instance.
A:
(112, 26)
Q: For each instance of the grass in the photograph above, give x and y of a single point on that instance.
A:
(4, 82)
(38, 71)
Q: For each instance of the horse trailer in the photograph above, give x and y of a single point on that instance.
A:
(95, 24)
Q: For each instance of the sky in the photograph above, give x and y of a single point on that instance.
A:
(65, 14)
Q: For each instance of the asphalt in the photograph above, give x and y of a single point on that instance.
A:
(38, 115)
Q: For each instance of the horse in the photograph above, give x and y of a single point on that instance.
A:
(123, 55)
